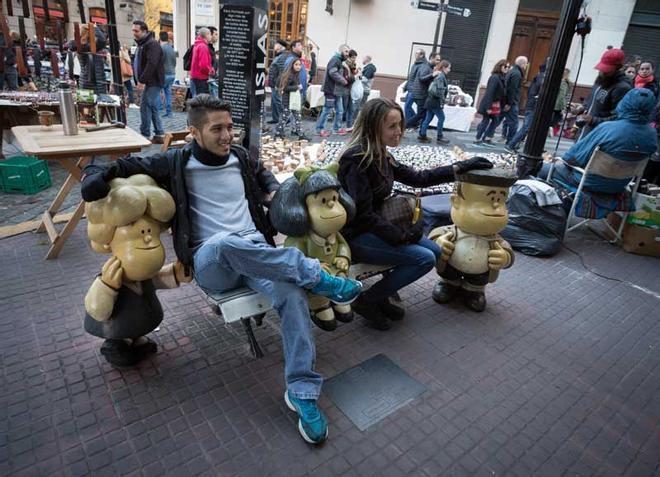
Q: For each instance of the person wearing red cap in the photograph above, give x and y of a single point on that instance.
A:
(610, 86)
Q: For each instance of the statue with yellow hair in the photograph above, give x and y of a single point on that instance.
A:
(121, 304)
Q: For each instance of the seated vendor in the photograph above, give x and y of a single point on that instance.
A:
(631, 131)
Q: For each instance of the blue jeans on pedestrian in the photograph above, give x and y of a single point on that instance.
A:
(510, 125)
(331, 103)
(128, 84)
(150, 105)
(351, 110)
(408, 111)
(275, 105)
(522, 132)
(487, 126)
(440, 113)
(191, 86)
(167, 89)
(410, 262)
(419, 116)
(225, 262)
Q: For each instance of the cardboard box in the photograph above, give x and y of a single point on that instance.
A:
(636, 238)
(647, 211)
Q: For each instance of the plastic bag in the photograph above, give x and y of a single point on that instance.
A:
(295, 101)
(357, 90)
(533, 229)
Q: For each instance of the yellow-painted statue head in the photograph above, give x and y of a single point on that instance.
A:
(478, 205)
(128, 222)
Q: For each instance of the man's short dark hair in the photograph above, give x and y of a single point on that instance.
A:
(352, 54)
(283, 43)
(296, 42)
(143, 26)
(164, 36)
(213, 29)
(201, 105)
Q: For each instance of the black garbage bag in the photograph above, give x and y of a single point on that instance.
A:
(436, 211)
(533, 229)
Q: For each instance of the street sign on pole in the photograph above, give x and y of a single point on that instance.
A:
(440, 7)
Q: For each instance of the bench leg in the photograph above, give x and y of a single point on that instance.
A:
(252, 340)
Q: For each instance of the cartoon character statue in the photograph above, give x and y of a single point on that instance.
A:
(311, 208)
(472, 251)
(121, 303)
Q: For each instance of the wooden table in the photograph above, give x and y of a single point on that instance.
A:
(73, 153)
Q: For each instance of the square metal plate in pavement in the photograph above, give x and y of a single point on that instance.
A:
(372, 390)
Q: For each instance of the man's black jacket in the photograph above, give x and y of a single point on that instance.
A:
(513, 82)
(168, 170)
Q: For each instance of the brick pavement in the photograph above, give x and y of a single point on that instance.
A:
(558, 377)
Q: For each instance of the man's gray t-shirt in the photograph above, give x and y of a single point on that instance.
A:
(217, 201)
(169, 59)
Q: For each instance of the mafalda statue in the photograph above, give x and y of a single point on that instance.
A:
(472, 251)
(311, 208)
(121, 304)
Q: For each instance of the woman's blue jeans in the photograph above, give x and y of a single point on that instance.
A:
(440, 113)
(410, 262)
(226, 262)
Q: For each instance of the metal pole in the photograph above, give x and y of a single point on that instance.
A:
(114, 57)
(529, 162)
(437, 32)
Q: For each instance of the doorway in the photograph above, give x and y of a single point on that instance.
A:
(532, 37)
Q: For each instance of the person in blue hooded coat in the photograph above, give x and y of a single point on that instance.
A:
(631, 131)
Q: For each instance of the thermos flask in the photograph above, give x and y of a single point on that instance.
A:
(68, 110)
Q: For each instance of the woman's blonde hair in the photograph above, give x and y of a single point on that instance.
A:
(129, 200)
(368, 127)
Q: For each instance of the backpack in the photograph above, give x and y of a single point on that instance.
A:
(187, 58)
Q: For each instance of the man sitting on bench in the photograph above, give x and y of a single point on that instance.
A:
(220, 229)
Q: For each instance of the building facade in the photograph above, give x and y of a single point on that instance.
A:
(390, 30)
(66, 13)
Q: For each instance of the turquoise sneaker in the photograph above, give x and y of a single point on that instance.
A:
(341, 291)
(312, 424)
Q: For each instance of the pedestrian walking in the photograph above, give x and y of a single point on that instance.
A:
(150, 74)
(490, 106)
(419, 79)
(169, 66)
(368, 74)
(532, 100)
(273, 80)
(435, 103)
(513, 84)
(290, 88)
(201, 65)
(127, 73)
(333, 77)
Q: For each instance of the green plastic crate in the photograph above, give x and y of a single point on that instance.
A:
(24, 175)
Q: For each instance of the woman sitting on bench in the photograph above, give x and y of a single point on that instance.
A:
(367, 172)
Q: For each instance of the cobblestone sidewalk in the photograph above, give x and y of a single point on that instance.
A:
(559, 376)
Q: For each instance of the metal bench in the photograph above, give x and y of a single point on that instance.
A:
(244, 304)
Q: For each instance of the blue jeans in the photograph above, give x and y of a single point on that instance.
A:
(225, 262)
(351, 109)
(128, 84)
(411, 262)
(510, 125)
(150, 111)
(419, 116)
(331, 103)
(191, 86)
(214, 89)
(408, 111)
(440, 113)
(275, 105)
(522, 132)
(487, 126)
(167, 89)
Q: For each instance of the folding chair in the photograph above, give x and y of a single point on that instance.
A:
(605, 165)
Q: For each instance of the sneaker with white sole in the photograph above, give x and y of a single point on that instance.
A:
(339, 290)
(312, 424)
